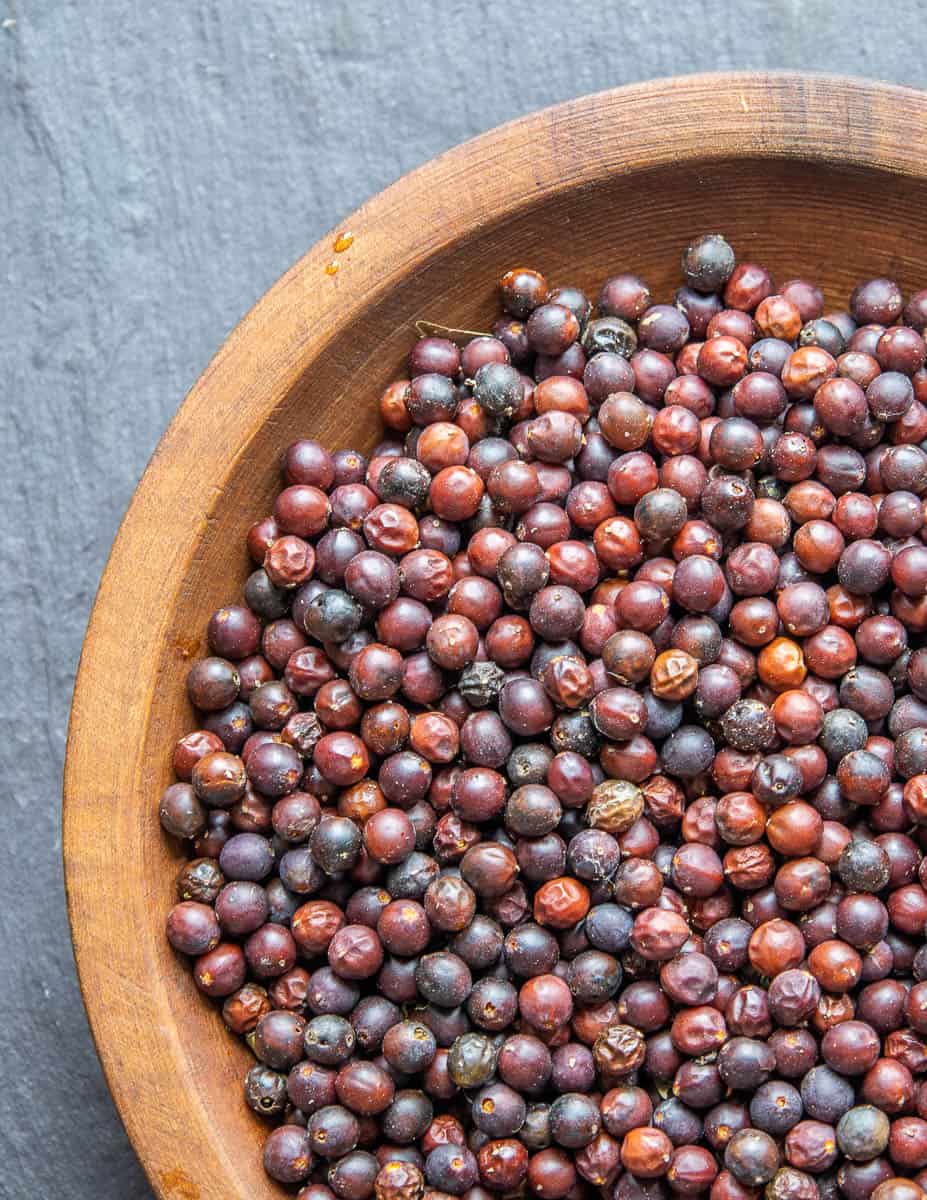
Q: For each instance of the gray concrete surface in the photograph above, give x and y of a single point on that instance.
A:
(160, 165)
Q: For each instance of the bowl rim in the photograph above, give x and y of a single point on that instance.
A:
(782, 114)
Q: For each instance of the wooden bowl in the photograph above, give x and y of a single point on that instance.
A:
(812, 176)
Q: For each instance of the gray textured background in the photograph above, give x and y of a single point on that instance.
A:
(160, 165)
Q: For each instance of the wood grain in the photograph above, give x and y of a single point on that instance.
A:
(808, 174)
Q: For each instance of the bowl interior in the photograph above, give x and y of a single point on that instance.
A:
(798, 215)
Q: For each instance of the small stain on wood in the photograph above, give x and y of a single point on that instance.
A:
(187, 647)
(178, 1185)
